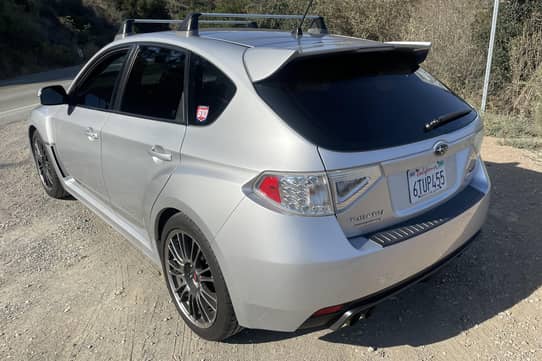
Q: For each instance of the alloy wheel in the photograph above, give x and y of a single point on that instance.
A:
(43, 164)
(190, 279)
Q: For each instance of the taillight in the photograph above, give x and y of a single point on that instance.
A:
(474, 154)
(312, 194)
(302, 194)
(349, 184)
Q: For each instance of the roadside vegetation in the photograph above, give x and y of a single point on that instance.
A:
(42, 34)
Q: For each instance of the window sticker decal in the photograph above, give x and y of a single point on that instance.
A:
(202, 112)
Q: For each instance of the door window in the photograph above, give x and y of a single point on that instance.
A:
(97, 89)
(210, 91)
(155, 85)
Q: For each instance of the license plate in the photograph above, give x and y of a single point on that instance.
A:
(427, 180)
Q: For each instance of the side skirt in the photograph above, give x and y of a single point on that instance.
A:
(136, 235)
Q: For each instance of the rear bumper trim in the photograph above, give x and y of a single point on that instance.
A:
(428, 220)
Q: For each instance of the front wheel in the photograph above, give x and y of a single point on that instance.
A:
(46, 171)
(195, 281)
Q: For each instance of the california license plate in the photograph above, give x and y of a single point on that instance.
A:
(427, 180)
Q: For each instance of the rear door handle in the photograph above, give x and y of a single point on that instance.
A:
(157, 151)
(91, 134)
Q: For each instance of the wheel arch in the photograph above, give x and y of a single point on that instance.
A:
(165, 208)
(31, 130)
(161, 219)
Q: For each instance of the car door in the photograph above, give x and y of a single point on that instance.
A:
(78, 126)
(141, 140)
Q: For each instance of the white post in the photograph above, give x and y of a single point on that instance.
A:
(490, 54)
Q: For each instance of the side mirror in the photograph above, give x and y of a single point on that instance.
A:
(53, 95)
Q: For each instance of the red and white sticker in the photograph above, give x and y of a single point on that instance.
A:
(202, 112)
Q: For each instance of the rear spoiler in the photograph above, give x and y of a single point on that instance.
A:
(261, 63)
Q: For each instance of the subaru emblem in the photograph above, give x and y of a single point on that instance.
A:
(440, 148)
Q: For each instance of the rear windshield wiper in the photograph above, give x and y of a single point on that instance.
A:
(445, 119)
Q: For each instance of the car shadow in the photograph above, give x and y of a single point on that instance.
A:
(502, 268)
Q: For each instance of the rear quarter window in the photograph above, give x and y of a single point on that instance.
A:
(361, 101)
(210, 91)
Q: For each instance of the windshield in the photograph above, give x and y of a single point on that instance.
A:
(361, 101)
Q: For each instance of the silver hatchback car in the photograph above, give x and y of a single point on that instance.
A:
(281, 180)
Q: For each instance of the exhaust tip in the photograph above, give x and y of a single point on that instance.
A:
(350, 318)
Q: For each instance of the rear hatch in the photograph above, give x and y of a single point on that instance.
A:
(394, 141)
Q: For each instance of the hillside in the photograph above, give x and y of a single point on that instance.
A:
(43, 34)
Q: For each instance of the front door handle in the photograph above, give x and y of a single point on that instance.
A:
(157, 151)
(91, 134)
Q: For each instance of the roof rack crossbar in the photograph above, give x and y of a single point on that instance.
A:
(247, 23)
(190, 24)
(257, 16)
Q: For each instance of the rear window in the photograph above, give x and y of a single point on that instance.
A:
(361, 101)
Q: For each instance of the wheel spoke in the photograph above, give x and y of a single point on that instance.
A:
(208, 298)
(37, 149)
(45, 171)
(195, 259)
(208, 303)
(175, 269)
(175, 243)
(204, 312)
(183, 246)
(192, 258)
(184, 291)
(181, 285)
(200, 309)
(193, 307)
(175, 254)
(206, 279)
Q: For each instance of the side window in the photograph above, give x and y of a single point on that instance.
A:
(97, 89)
(210, 91)
(155, 84)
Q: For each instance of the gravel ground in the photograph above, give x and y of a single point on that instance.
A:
(71, 288)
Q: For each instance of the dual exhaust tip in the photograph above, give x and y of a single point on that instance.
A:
(351, 317)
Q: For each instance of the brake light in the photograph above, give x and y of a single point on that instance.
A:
(269, 186)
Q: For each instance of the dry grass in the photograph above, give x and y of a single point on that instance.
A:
(516, 131)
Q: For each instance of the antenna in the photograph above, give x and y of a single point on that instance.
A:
(299, 30)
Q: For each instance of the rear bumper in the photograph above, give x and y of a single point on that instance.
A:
(281, 269)
(364, 305)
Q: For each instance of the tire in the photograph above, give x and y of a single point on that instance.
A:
(197, 268)
(46, 170)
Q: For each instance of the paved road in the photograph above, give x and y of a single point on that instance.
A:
(19, 96)
(71, 288)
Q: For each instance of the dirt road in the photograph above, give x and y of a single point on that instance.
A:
(71, 288)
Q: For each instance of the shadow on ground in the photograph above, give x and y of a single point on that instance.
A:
(502, 268)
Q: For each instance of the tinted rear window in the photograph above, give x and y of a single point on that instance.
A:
(361, 101)
(210, 92)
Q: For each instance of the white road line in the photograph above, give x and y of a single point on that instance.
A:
(15, 110)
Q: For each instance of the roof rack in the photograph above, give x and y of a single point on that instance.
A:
(191, 22)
